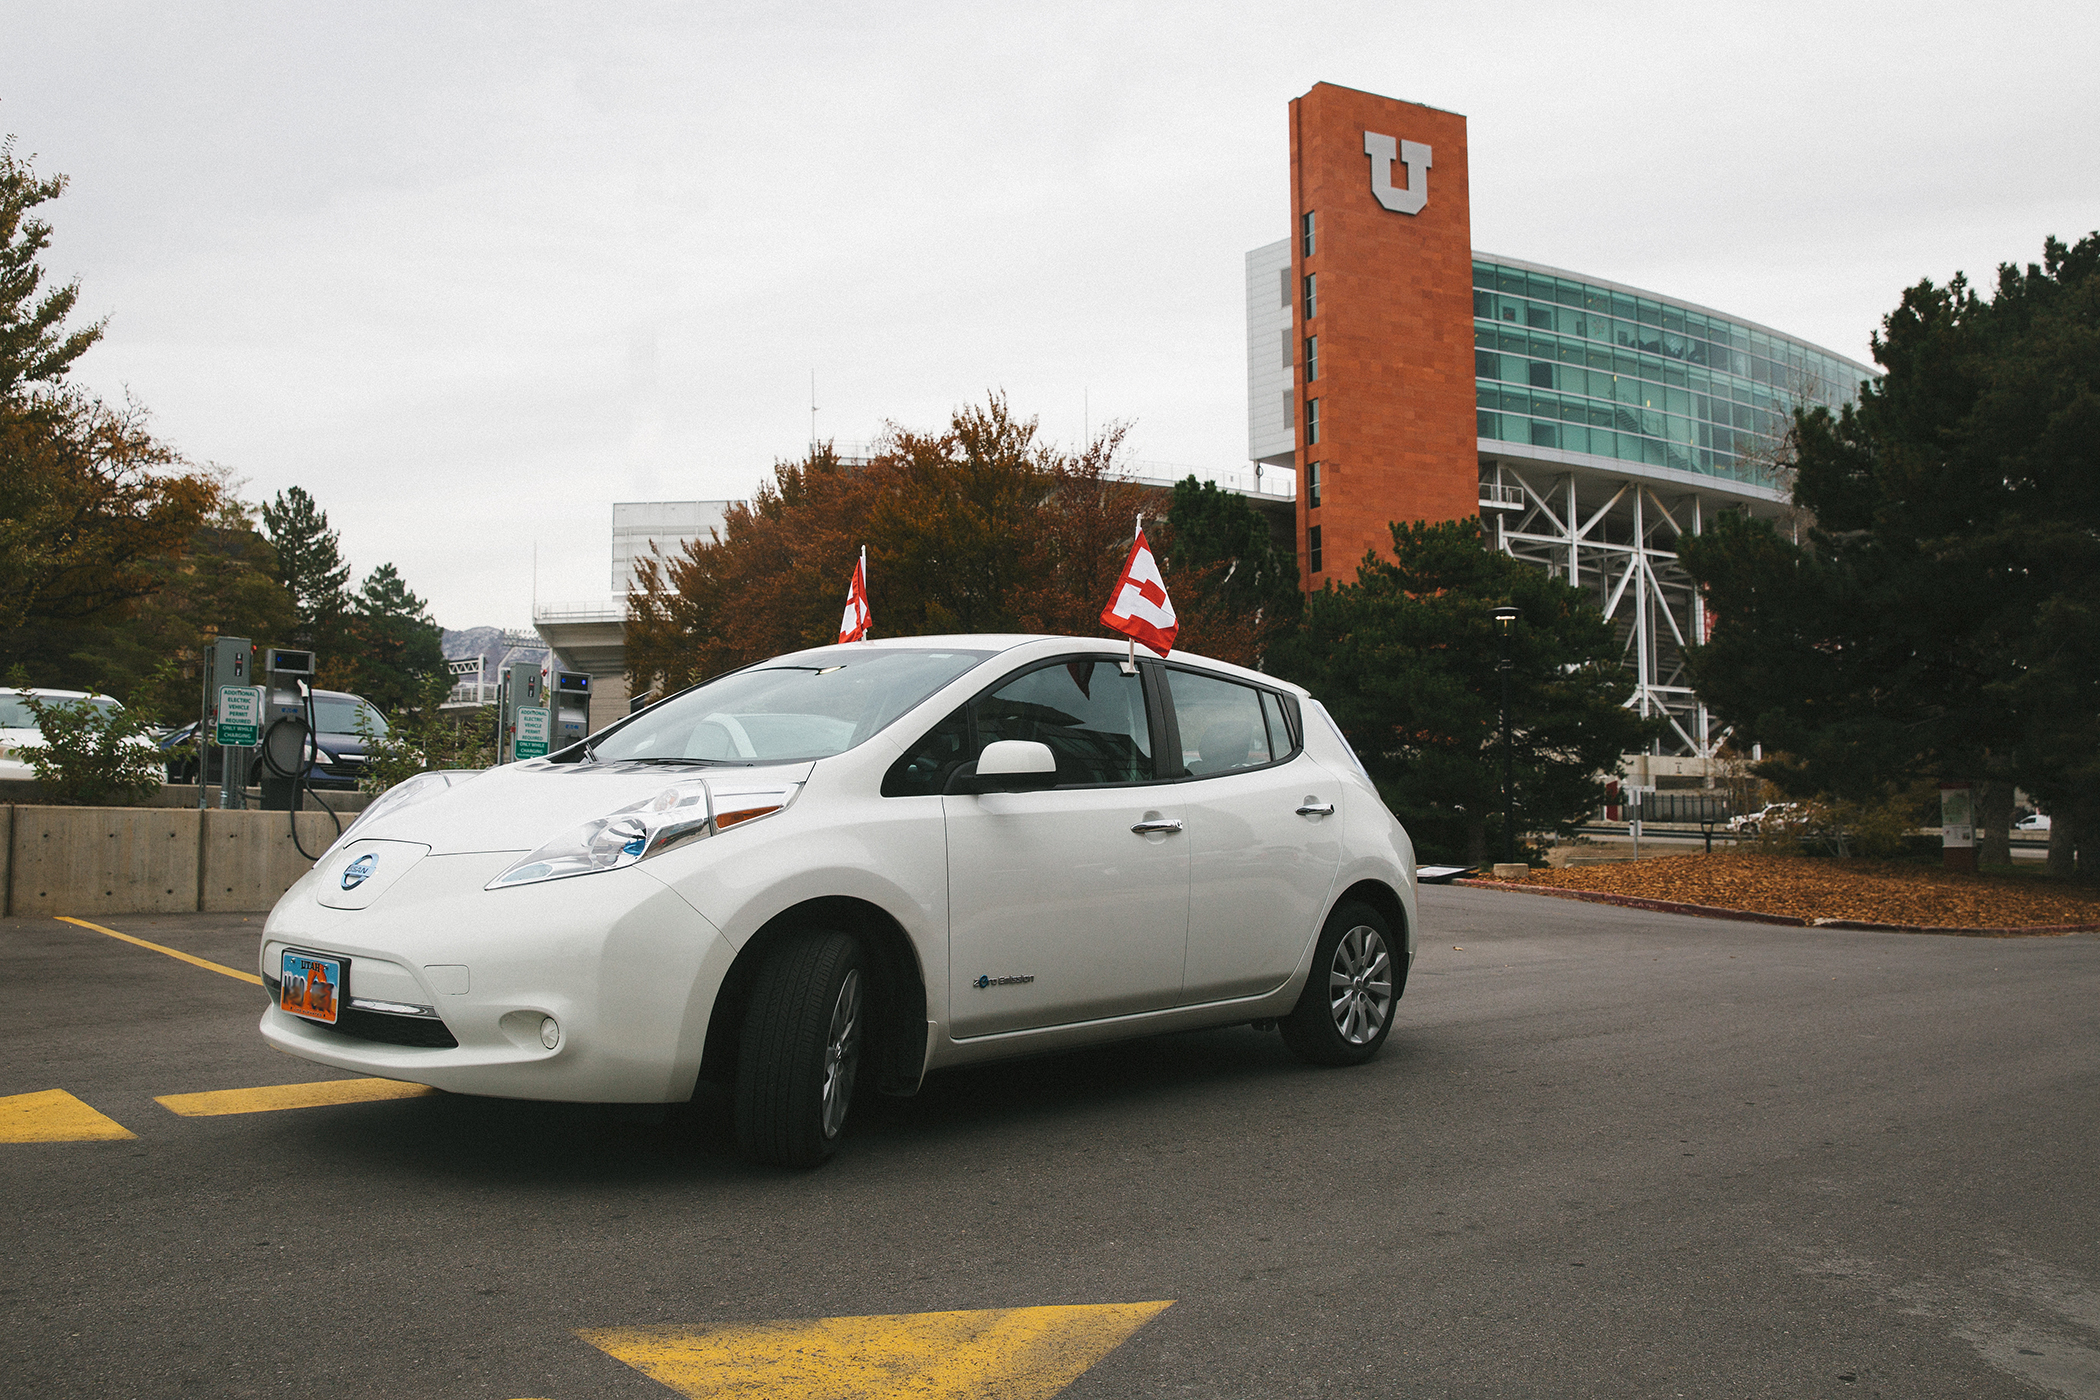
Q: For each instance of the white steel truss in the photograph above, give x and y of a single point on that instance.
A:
(1615, 538)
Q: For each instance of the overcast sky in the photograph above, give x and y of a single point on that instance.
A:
(471, 273)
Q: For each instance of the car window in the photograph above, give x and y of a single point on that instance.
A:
(1222, 723)
(1281, 740)
(824, 703)
(14, 713)
(332, 716)
(1089, 714)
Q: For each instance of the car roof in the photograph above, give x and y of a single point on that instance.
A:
(42, 693)
(999, 643)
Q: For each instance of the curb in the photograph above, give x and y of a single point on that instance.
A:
(1713, 911)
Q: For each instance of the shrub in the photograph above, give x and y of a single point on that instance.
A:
(90, 756)
(425, 742)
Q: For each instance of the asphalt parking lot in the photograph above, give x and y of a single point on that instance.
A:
(1606, 1153)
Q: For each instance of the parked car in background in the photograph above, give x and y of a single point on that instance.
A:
(2038, 822)
(1750, 823)
(18, 726)
(342, 723)
(337, 761)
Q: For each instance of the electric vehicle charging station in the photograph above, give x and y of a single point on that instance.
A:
(571, 702)
(526, 720)
(231, 718)
(287, 741)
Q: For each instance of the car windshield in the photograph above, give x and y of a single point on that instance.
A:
(817, 705)
(14, 712)
(341, 716)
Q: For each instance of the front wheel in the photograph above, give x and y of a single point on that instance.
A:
(801, 1047)
(1346, 1010)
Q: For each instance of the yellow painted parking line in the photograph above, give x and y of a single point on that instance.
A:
(177, 953)
(55, 1116)
(986, 1354)
(272, 1097)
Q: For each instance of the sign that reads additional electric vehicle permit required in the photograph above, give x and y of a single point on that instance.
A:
(533, 731)
(240, 716)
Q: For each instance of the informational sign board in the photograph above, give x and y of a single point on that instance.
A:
(1957, 816)
(533, 730)
(239, 723)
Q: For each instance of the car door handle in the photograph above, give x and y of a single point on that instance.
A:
(1316, 809)
(1157, 826)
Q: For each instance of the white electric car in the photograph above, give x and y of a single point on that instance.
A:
(853, 865)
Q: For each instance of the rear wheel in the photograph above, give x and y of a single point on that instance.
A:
(1346, 1010)
(800, 1055)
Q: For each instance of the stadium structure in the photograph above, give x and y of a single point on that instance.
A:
(1403, 375)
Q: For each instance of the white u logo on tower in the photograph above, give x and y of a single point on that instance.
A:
(1415, 156)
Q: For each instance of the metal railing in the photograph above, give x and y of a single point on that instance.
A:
(1278, 484)
(1686, 808)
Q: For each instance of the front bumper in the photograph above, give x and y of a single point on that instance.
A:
(626, 968)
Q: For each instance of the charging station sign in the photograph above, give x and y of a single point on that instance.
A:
(534, 730)
(239, 723)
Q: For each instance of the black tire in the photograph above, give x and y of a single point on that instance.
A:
(1346, 1010)
(802, 1038)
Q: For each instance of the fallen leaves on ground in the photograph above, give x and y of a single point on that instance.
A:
(1872, 891)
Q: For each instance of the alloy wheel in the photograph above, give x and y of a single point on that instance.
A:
(842, 1054)
(1360, 985)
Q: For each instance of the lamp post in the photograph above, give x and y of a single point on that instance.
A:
(1505, 620)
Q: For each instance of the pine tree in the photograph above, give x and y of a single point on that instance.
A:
(1405, 660)
(1216, 537)
(35, 347)
(309, 563)
(91, 504)
(395, 647)
(1940, 619)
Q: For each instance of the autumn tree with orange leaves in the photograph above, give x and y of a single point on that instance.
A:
(980, 527)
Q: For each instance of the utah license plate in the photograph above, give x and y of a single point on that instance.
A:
(311, 986)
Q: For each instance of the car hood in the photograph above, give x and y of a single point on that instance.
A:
(520, 807)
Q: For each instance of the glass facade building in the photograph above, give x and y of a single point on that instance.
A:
(1605, 425)
(1580, 365)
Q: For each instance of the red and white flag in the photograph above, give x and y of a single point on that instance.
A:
(853, 627)
(1139, 607)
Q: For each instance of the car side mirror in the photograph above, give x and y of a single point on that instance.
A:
(1007, 765)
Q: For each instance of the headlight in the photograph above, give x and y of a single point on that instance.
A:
(680, 813)
(417, 789)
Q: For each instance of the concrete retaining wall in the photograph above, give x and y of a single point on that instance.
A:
(148, 860)
(28, 792)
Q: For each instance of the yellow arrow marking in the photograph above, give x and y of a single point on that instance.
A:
(989, 1354)
(55, 1116)
(276, 1096)
(191, 959)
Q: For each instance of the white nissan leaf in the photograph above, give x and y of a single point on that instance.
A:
(853, 865)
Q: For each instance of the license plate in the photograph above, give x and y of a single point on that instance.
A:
(312, 986)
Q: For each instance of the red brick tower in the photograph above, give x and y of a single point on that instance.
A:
(1381, 262)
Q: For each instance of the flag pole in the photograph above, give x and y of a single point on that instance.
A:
(867, 633)
(1130, 662)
